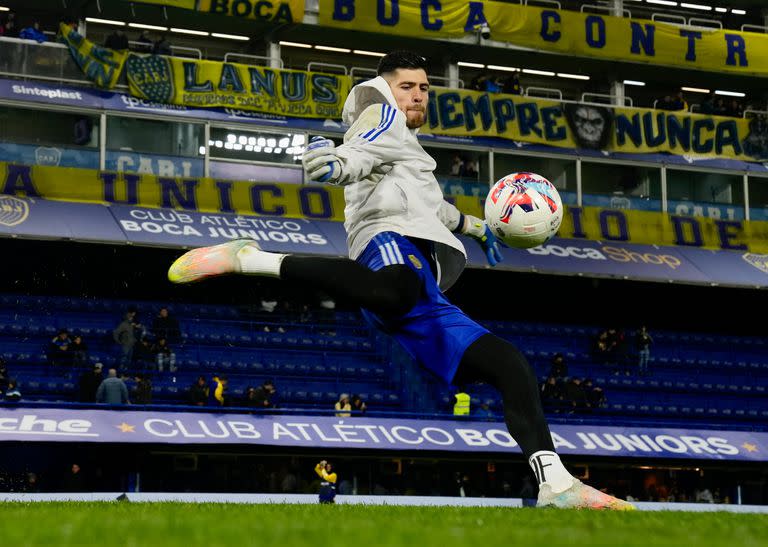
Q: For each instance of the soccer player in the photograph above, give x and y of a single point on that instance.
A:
(403, 255)
(328, 479)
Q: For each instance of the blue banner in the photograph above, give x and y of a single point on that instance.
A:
(32, 154)
(154, 164)
(107, 426)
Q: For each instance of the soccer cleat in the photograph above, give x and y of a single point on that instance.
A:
(580, 496)
(199, 264)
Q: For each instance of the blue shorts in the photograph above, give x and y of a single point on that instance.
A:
(435, 332)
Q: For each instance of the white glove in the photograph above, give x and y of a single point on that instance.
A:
(320, 161)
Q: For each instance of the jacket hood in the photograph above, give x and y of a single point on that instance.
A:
(364, 95)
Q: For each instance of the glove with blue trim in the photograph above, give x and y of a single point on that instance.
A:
(320, 162)
(478, 230)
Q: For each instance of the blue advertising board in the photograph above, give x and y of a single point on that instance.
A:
(129, 426)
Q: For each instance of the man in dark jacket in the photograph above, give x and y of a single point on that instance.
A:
(89, 382)
(112, 390)
(166, 326)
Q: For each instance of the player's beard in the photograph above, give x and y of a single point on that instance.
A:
(415, 118)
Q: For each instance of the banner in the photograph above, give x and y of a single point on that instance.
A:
(187, 82)
(561, 31)
(275, 11)
(318, 202)
(101, 65)
(128, 426)
(592, 127)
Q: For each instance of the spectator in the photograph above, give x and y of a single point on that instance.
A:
(708, 106)
(117, 40)
(166, 326)
(328, 479)
(679, 102)
(33, 32)
(559, 369)
(552, 394)
(574, 397)
(265, 394)
(704, 496)
(142, 395)
(595, 395)
(735, 109)
(643, 342)
(461, 408)
(89, 383)
(79, 351)
(74, 480)
(12, 393)
(4, 375)
(470, 169)
(198, 392)
(83, 130)
(31, 484)
(511, 85)
(217, 391)
(125, 336)
(162, 46)
(8, 28)
(164, 355)
(343, 405)
(358, 405)
(58, 349)
(112, 390)
(143, 355)
(146, 43)
(457, 165)
(479, 83)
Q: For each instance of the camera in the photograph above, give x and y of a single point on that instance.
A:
(483, 30)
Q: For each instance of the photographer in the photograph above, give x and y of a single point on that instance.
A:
(327, 482)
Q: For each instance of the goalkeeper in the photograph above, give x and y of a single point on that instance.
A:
(404, 254)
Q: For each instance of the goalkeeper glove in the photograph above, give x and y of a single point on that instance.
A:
(478, 230)
(320, 161)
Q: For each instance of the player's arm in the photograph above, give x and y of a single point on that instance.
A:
(320, 470)
(376, 140)
(471, 226)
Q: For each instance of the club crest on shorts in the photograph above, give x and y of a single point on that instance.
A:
(13, 211)
(758, 261)
(415, 261)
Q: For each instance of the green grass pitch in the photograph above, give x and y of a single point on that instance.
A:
(188, 525)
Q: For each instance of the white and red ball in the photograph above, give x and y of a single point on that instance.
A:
(524, 210)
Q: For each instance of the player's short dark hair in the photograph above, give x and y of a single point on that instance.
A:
(401, 59)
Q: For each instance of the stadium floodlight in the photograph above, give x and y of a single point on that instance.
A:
(146, 27)
(237, 146)
(695, 6)
(257, 148)
(231, 137)
(336, 49)
(721, 10)
(662, 2)
(252, 141)
(277, 151)
(634, 82)
(267, 150)
(189, 31)
(3, 8)
(537, 72)
(105, 21)
(695, 89)
(261, 142)
(368, 53)
(272, 143)
(229, 145)
(298, 139)
(738, 11)
(730, 93)
(202, 150)
(296, 44)
(249, 148)
(219, 144)
(230, 36)
(470, 65)
(505, 68)
(242, 139)
(572, 76)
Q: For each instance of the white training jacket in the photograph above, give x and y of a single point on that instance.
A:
(388, 177)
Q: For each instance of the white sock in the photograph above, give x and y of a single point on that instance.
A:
(258, 262)
(550, 470)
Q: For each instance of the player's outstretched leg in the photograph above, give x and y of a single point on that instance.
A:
(494, 361)
(239, 256)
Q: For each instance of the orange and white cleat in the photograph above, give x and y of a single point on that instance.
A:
(581, 496)
(199, 264)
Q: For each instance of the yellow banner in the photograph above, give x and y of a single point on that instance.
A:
(562, 31)
(327, 203)
(275, 11)
(571, 125)
(188, 82)
(101, 65)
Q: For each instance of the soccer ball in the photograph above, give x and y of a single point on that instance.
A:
(524, 210)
